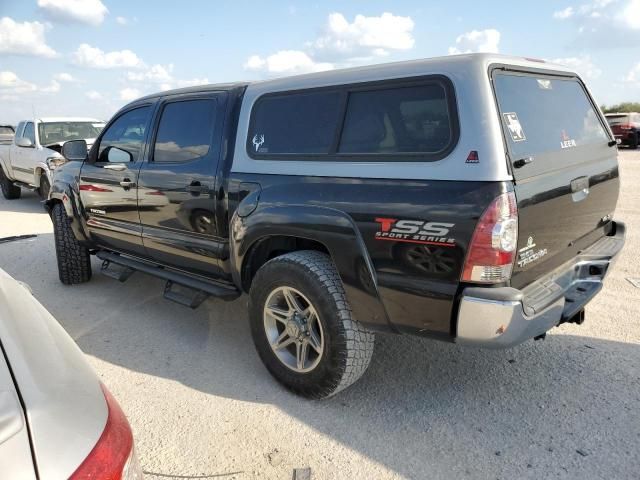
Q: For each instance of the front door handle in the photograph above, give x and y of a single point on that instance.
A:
(117, 167)
(127, 184)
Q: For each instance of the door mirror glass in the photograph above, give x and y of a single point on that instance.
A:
(24, 142)
(75, 150)
(117, 155)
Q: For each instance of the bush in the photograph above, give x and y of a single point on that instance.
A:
(622, 108)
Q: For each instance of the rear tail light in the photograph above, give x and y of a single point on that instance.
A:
(113, 457)
(493, 245)
(626, 127)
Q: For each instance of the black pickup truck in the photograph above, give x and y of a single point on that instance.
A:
(467, 199)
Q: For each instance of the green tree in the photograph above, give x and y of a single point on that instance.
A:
(623, 107)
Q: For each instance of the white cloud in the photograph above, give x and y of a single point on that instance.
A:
(341, 43)
(564, 14)
(582, 64)
(155, 73)
(124, 21)
(634, 75)
(477, 41)
(604, 23)
(631, 14)
(128, 94)
(25, 38)
(93, 95)
(364, 37)
(160, 78)
(92, 57)
(10, 83)
(286, 62)
(64, 77)
(91, 12)
(191, 82)
(53, 87)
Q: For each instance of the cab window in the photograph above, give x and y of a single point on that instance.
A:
(123, 139)
(30, 133)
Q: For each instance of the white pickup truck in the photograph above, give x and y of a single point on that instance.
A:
(29, 161)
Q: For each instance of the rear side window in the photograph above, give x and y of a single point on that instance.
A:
(6, 130)
(185, 131)
(412, 120)
(544, 114)
(302, 123)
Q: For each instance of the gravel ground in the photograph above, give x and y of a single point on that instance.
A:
(202, 406)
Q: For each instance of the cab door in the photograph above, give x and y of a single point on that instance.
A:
(22, 162)
(108, 182)
(177, 185)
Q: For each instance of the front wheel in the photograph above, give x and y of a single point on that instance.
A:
(74, 263)
(303, 327)
(44, 187)
(9, 190)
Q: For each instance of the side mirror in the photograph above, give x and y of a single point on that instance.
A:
(24, 142)
(117, 155)
(75, 150)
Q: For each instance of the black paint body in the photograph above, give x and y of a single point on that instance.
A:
(237, 221)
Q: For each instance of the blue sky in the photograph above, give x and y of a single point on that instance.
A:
(89, 57)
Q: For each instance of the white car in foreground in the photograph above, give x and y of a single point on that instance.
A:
(57, 421)
(28, 161)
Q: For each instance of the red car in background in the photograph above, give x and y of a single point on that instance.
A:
(626, 127)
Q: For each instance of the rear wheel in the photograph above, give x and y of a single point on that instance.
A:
(44, 187)
(74, 263)
(303, 327)
(9, 190)
(633, 144)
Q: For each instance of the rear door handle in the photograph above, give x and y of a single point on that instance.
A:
(196, 188)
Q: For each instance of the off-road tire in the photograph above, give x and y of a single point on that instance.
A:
(44, 188)
(9, 190)
(348, 345)
(74, 263)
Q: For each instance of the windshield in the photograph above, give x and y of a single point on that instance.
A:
(56, 132)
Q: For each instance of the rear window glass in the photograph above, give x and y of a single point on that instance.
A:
(546, 114)
(185, 131)
(303, 123)
(397, 120)
(410, 121)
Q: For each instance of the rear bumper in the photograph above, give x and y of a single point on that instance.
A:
(503, 317)
(625, 138)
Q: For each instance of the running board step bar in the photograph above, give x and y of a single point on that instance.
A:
(190, 291)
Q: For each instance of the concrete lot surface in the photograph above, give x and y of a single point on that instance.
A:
(202, 405)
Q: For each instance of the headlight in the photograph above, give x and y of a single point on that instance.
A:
(55, 162)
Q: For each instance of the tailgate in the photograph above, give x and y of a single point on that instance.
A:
(565, 171)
